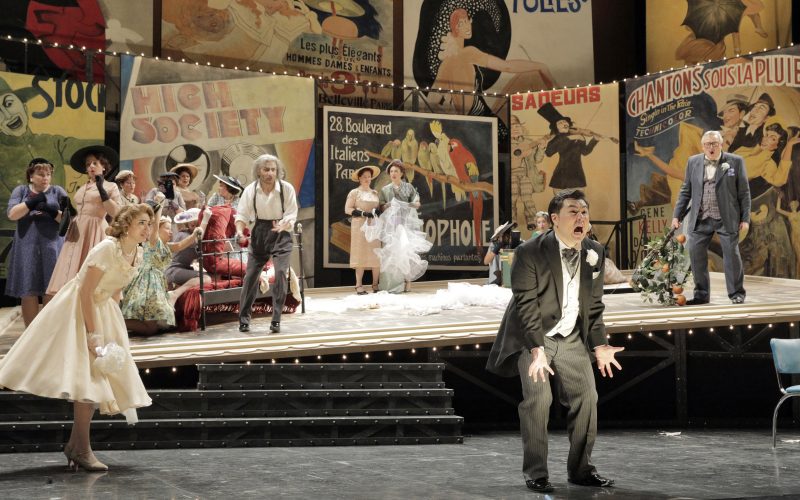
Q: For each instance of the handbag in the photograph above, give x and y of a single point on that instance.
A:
(68, 227)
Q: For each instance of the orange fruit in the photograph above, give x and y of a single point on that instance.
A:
(665, 268)
(677, 289)
(681, 238)
(680, 300)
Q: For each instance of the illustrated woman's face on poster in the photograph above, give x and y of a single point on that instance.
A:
(13, 116)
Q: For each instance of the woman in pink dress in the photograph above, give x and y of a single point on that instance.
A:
(94, 201)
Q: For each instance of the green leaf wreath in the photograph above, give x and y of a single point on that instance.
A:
(664, 270)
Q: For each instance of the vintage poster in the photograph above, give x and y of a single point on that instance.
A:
(44, 118)
(501, 46)
(566, 138)
(65, 22)
(687, 32)
(755, 103)
(220, 121)
(342, 40)
(451, 161)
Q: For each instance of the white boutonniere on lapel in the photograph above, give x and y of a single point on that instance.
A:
(592, 257)
(725, 166)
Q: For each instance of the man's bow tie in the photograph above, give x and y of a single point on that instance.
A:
(570, 256)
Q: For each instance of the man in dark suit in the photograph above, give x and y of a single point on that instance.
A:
(556, 317)
(717, 187)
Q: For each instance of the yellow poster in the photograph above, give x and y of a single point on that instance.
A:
(681, 32)
(560, 139)
(44, 118)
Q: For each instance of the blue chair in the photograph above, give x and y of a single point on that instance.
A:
(786, 354)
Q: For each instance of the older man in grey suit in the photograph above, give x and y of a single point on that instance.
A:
(556, 318)
(717, 187)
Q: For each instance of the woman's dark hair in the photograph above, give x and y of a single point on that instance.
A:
(101, 158)
(37, 164)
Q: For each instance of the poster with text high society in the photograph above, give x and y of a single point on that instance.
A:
(754, 102)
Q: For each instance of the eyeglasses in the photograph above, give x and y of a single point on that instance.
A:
(712, 144)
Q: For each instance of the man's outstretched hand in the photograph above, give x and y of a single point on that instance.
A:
(605, 358)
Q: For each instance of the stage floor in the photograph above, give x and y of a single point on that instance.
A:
(645, 465)
(338, 322)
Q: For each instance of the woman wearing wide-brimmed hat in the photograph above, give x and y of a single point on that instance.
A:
(228, 191)
(362, 205)
(126, 182)
(94, 201)
(36, 208)
(186, 175)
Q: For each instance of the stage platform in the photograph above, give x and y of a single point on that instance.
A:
(338, 322)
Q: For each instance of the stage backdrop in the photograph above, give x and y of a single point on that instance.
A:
(44, 118)
(219, 120)
(439, 149)
(586, 156)
(668, 113)
(681, 32)
(343, 40)
(495, 46)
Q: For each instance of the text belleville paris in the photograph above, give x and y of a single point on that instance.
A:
(208, 112)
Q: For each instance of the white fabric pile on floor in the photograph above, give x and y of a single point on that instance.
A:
(455, 296)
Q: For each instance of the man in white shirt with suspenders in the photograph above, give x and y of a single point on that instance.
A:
(270, 205)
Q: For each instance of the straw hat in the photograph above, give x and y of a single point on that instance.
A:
(185, 166)
(357, 173)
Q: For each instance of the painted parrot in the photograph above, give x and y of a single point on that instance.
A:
(466, 167)
(443, 150)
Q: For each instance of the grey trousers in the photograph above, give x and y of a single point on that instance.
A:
(731, 258)
(266, 244)
(572, 365)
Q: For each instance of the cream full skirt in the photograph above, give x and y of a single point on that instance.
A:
(51, 358)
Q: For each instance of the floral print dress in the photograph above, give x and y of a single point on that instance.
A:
(146, 298)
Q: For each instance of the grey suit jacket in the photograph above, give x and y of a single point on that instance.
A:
(732, 188)
(535, 308)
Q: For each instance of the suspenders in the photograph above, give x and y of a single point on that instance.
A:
(255, 206)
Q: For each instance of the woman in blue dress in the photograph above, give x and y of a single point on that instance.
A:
(35, 207)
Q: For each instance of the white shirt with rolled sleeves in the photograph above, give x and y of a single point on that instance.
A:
(268, 205)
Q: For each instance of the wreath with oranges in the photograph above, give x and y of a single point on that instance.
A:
(663, 272)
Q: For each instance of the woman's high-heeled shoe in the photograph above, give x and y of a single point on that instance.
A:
(82, 460)
(375, 288)
(68, 454)
(360, 290)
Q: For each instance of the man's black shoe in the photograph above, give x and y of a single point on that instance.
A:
(275, 327)
(593, 479)
(696, 302)
(737, 300)
(541, 485)
(244, 327)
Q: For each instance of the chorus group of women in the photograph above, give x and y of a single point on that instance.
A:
(99, 268)
(385, 230)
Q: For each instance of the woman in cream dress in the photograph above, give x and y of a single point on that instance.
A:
(361, 204)
(54, 356)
